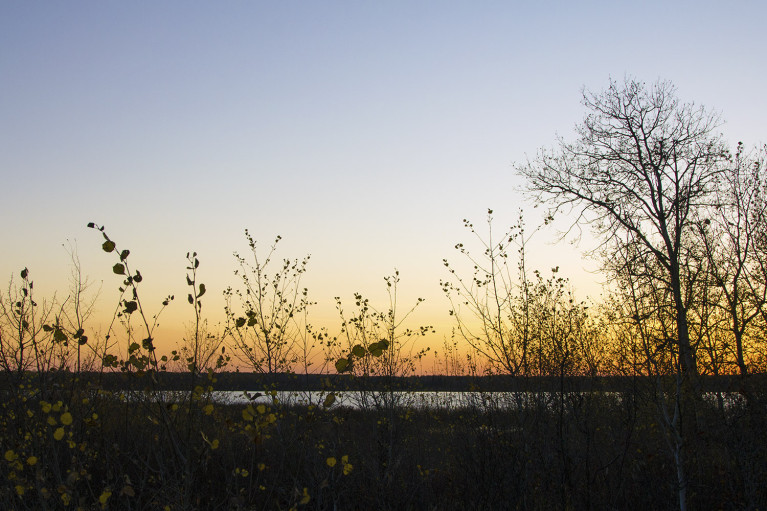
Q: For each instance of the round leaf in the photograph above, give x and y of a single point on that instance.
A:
(342, 365)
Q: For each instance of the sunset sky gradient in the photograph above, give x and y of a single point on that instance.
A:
(361, 132)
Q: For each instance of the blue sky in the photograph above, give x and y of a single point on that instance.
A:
(362, 132)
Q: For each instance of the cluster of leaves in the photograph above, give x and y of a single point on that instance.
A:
(376, 349)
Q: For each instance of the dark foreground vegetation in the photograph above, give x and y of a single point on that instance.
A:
(653, 398)
(73, 445)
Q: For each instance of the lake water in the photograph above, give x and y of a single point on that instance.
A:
(409, 399)
(426, 399)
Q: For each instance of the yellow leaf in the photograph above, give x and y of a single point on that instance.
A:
(46, 406)
(306, 498)
(261, 409)
(66, 418)
(51, 420)
(10, 455)
(32, 460)
(19, 490)
(104, 497)
(348, 469)
(208, 409)
(58, 434)
(214, 444)
(331, 461)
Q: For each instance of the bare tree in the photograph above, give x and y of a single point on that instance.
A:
(26, 340)
(641, 170)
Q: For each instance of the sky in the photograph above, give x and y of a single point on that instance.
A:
(362, 133)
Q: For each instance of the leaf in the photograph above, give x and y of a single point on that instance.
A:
(329, 400)
(358, 351)
(342, 365)
(124, 255)
(108, 246)
(376, 349)
(119, 269)
(202, 290)
(240, 322)
(83, 340)
(24, 273)
(104, 497)
(189, 298)
(138, 278)
(331, 462)
(306, 498)
(130, 307)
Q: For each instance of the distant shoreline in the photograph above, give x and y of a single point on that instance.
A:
(242, 381)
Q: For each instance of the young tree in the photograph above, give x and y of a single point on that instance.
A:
(522, 325)
(641, 170)
(491, 309)
(264, 336)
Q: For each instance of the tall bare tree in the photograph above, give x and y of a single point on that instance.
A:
(643, 166)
